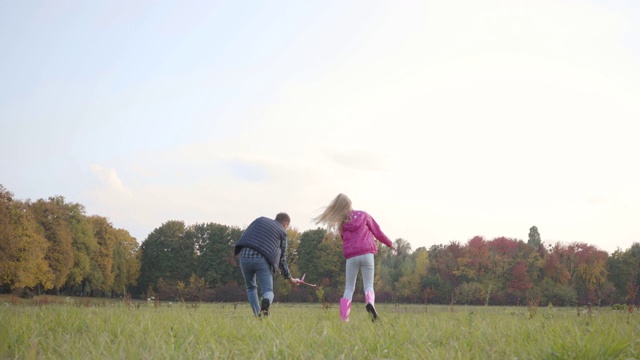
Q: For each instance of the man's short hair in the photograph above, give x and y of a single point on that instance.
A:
(283, 218)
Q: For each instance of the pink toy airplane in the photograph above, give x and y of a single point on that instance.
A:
(301, 281)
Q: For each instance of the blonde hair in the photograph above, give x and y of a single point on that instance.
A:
(336, 213)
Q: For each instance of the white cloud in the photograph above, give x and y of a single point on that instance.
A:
(111, 186)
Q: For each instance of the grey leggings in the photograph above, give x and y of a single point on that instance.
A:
(364, 262)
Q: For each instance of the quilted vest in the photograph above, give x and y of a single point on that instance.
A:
(264, 236)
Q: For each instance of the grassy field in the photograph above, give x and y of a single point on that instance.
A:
(67, 328)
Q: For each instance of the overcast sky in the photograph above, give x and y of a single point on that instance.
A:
(443, 119)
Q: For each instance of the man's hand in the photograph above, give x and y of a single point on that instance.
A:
(294, 281)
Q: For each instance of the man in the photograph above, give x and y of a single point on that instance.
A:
(262, 248)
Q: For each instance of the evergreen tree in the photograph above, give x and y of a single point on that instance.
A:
(534, 237)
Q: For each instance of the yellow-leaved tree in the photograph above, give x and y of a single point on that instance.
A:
(22, 246)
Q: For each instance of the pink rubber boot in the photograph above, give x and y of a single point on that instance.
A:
(345, 309)
(370, 297)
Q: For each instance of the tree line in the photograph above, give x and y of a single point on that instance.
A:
(53, 246)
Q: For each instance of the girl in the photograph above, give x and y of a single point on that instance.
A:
(359, 232)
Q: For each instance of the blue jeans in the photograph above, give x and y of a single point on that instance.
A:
(259, 268)
(366, 264)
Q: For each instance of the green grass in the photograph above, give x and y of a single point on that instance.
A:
(110, 330)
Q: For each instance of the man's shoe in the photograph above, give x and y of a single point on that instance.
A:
(264, 309)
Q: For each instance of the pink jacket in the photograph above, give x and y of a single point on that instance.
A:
(358, 235)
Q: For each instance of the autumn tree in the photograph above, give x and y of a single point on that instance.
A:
(52, 218)
(555, 270)
(383, 266)
(394, 265)
(479, 255)
(585, 265)
(331, 269)
(440, 280)
(293, 241)
(486, 283)
(102, 275)
(409, 285)
(23, 248)
(83, 244)
(503, 258)
(126, 262)
(519, 283)
(282, 288)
